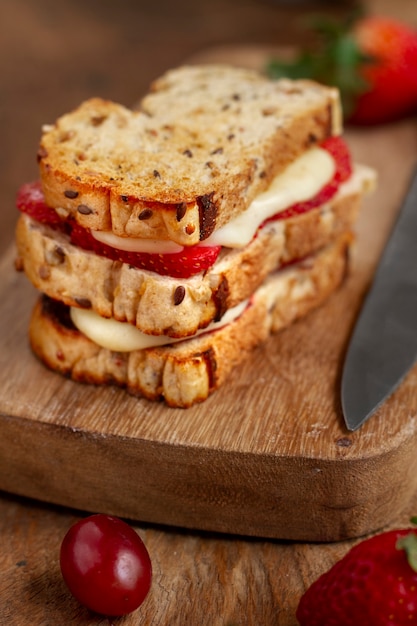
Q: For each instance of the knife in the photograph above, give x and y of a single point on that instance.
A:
(383, 346)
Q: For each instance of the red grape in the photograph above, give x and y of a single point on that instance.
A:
(106, 565)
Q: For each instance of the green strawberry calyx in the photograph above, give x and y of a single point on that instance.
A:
(408, 543)
(334, 59)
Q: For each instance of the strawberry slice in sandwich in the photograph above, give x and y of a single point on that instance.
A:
(171, 240)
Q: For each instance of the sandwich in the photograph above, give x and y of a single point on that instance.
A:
(167, 242)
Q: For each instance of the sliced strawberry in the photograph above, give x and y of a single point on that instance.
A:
(30, 200)
(339, 150)
(391, 71)
(188, 262)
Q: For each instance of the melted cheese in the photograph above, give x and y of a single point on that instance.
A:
(137, 245)
(123, 337)
(300, 181)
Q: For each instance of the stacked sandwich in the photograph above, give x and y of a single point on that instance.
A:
(171, 240)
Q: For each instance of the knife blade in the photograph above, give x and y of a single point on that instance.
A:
(383, 346)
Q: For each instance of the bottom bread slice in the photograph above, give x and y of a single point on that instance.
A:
(187, 372)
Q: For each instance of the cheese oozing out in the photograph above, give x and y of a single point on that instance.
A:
(123, 337)
(129, 244)
(300, 181)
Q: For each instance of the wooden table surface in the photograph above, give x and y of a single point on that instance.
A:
(52, 56)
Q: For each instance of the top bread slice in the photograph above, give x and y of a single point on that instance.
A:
(201, 145)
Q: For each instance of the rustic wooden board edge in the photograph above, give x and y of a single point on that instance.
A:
(172, 485)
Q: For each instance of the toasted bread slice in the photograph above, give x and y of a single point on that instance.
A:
(187, 372)
(147, 300)
(202, 145)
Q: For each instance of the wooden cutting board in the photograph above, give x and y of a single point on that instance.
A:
(266, 455)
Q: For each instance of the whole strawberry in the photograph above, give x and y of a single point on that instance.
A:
(372, 61)
(390, 73)
(375, 584)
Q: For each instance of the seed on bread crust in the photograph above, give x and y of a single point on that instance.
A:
(146, 214)
(84, 209)
(84, 303)
(70, 193)
(181, 211)
(56, 256)
(179, 295)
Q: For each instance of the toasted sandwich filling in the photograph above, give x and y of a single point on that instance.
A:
(308, 183)
(300, 181)
(123, 337)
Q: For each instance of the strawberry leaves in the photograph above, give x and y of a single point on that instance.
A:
(408, 543)
(333, 60)
(371, 60)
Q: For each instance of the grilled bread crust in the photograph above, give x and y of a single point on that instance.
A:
(145, 299)
(203, 143)
(187, 372)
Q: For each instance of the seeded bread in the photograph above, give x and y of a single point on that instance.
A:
(151, 302)
(203, 143)
(187, 372)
